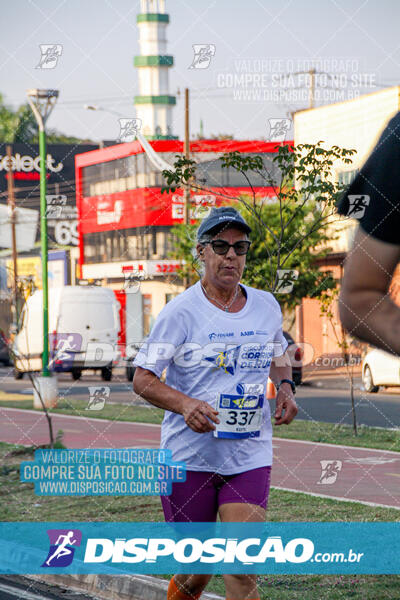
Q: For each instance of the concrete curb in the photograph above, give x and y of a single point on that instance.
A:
(111, 587)
(328, 385)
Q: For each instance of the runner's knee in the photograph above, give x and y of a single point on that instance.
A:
(241, 583)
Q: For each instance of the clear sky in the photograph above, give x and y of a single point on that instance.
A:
(353, 44)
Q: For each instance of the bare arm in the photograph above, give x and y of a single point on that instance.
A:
(280, 369)
(197, 413)
(365, 307)
(285, 398)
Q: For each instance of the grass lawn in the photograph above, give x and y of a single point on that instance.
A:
(323, 587)
(19, 503)
(77, 407)
(329, 433)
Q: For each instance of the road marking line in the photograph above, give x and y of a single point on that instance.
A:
(328, 445)
(277, 487)
(37, 412)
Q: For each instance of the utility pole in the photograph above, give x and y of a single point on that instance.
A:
(11, 204)
(44, 249)
(186, 151)
(311, 95)
(311, 89)
(42, 103)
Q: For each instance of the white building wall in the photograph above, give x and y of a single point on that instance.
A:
(145, 112)
(354, 124)
(153, 6)
(158, 291)
(161, 119)
(154, 116)
(152, 38)
(153, 82)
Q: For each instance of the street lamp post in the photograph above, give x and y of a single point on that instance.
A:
(159, 163)
(42, 103)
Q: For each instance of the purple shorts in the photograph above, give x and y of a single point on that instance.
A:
(198, 498)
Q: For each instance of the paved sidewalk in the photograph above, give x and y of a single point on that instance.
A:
(29, 427)
(321, 377)
(359, 474)
(94, 587)
(332, 382)
(347, 473)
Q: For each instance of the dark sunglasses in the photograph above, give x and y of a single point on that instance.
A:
(222, 247)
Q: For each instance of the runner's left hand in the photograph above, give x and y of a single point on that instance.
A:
(286, 407)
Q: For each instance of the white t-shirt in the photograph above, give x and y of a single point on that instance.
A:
(215, 356)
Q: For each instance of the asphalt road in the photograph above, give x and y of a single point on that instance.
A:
(327, 399)
(17, 587)
(334, 406)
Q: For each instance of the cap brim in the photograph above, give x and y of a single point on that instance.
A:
(225, 224)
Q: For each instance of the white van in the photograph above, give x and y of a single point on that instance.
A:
(83, 331)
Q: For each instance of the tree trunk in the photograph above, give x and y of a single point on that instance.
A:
(353, 406)
(48, 417)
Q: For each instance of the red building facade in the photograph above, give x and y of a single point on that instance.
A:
(122, 214)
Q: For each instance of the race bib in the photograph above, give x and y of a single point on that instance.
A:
(240, 415)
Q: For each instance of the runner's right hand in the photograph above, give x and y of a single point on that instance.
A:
(198, 414)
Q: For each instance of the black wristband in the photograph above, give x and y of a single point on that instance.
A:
(291, 383)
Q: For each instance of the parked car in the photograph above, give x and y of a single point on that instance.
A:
(134, 332)
(296, 354)
(83, 331)
(380, 368)
(4, 353)
(130, 355)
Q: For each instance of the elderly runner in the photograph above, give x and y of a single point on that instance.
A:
(219, 341)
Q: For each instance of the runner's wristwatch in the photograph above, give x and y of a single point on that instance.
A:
(292, 384)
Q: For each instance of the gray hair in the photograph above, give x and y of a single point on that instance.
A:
(205, 238)
(197, 263)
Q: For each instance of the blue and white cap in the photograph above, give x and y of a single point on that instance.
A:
(219, 218)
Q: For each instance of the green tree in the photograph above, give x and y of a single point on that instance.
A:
(295, 257)
(346, 343)
(20, 126)
(9, 122)
(26, 129)
(184, 241)
(290, 228)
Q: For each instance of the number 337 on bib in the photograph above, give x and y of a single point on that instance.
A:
(240, 416)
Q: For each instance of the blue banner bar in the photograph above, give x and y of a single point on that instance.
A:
(161, 548)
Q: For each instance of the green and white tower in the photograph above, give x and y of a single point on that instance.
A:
(154, 104)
